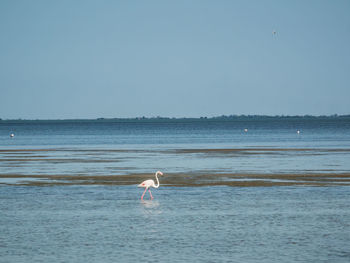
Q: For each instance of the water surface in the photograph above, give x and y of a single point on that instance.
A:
(207, 224)
(68, 190)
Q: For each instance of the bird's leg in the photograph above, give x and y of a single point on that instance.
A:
(150, 194)
(143, 193)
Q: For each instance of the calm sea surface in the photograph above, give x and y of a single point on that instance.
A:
(97, 223)
(108, 148)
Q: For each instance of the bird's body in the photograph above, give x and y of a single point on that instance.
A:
(150, 183)
(147, 184)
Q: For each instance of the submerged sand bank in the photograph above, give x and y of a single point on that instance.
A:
(84, 166)
(184, 179)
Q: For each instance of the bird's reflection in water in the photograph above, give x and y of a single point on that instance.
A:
(150, 207)
(150, 203)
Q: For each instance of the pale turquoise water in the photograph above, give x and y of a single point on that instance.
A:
(203, 224)
(191, 224)
(117, 147)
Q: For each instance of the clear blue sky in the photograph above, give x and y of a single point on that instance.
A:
(89, 59)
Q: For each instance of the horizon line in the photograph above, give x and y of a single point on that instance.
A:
(232, 116)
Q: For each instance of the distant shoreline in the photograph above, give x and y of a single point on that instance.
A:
(197, 119)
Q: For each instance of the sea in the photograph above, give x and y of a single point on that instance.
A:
(47, 216)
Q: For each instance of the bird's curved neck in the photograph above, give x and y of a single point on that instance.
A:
(156, 186)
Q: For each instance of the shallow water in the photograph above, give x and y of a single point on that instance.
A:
(206, 224)
(86, 161)
(119, 148)
(108, 223)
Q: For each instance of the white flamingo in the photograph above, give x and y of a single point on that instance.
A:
(150, 183)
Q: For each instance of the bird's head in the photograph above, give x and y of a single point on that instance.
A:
(159, 173)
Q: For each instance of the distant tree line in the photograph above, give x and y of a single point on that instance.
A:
(215, 118)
